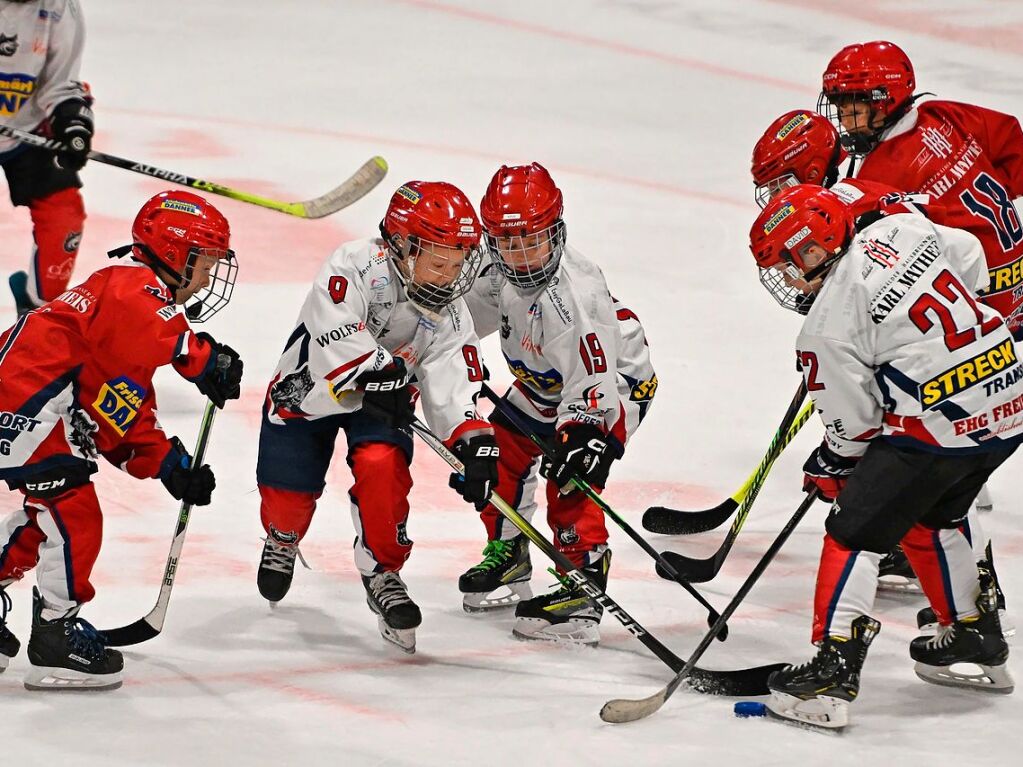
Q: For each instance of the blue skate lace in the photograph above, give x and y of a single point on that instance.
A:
(85, 639)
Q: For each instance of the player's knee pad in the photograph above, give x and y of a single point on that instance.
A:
(57, 220)
(374, 462)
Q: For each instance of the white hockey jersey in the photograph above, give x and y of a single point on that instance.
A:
(897, 346)
(576, 352)
(357, 318)
(40, 54)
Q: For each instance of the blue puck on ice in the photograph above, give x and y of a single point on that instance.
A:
(745, 708)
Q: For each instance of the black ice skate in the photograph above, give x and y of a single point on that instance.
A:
(818, 692)
(397, 615)
(9, 644)
(977, 641)
(500, 580)
(18, 283)
(896, 575)
(277, 565)
(927, 621)
(566, 614)
(69, 654)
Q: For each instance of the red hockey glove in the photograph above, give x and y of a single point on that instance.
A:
(827, 471)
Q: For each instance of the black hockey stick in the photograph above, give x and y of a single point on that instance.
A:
(747, 681)
(659, 519)
(584, 487)
(357, 186)
(151, 625)
(623, 710)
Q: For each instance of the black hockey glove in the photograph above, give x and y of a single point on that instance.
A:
(182, 482)
(72, 126)
(827, 471)
(580, 450)
(386, 396)
(480, 456)
(223, 377)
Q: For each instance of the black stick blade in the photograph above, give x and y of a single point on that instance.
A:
(693, 570)
(660, 519)
(135, 633)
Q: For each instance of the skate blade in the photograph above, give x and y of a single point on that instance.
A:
(49, 678)
(995, 679)
(500, 598)
(822, 714)
(898, 584)
(4, 661)
(573, 632)
(403, 639)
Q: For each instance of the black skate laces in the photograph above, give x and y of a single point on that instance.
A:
(5, 607)
(388, 590)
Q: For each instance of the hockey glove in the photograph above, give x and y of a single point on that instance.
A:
(194, 487)
(222, 379)
(827, 471)
(72, 126)
(479, 456)
(580, 450)
(386, 396)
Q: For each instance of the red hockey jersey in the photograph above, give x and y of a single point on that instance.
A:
(76, 375)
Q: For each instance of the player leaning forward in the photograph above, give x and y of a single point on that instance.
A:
(584, 383)
(77, 384)
(920, 390)
(384, 316)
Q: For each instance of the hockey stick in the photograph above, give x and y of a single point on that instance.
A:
(584, 487)
(747, 681)
(151, 625)
(622, 710)
(659, 519)
(361, 182)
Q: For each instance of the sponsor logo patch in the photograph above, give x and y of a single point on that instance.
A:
(182, 207)
(118, 403)
(409, 194)
(791, 125)
(967, 374)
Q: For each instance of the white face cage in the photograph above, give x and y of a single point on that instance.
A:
(764, 193)
(789, 287)
(528, 261)
(216, 294)
(433, 276)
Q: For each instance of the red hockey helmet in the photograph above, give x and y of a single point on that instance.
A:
(523, 228)
(878, 74)
(433, 234)
(783, 237)
(800, 147)
(183, 238)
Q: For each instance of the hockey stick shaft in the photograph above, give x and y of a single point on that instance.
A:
(151, 624)
(583, 486)
(623, 710)
(357, 186)
(665, 521)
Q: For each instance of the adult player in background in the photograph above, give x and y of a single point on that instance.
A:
(920, 390)
(41, 45)
(383, 318)
(77, 384)
(583, 382)
(803, 147)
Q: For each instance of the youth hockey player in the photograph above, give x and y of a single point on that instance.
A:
(583, 382)
(77, 384)
(40, 53)
(921, 394)
(383, 317)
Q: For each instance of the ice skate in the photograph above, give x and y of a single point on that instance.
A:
(817, 693)
(9, 644)
(277, 565)
(970, 653)
(69, 654)
(895, 575)
(501, 580)
(927, 621)
(397, 615)
(565, 614)
(18, 283)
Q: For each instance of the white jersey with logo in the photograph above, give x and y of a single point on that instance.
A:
(40, 54)
(897, 346)
(576, 352)
(357, 318)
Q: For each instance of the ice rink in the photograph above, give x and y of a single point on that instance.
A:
(645, 112)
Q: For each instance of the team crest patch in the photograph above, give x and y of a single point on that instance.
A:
(289, 392)
(72, 241)
(567, 536)
(119, 402)
(8, 45)
(402, 535)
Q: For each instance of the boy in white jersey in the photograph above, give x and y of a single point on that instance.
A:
(921, 394)
(383, 317)
(584, 383)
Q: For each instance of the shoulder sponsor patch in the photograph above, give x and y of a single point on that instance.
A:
(967, 373)
(119, 402)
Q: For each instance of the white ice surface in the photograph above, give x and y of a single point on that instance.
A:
(645, 112)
